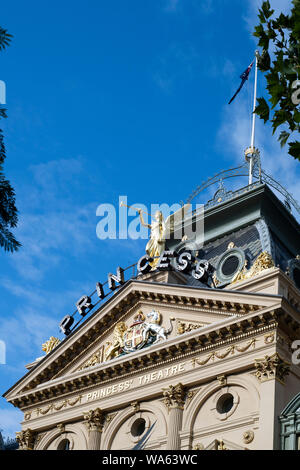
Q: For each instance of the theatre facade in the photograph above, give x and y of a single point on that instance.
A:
(175, 362)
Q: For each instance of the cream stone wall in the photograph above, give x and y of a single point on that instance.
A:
(242, 349)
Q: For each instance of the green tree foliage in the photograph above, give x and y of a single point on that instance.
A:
(8, 210)
(279, 39)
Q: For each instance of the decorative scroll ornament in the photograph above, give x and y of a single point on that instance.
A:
(174, 396)
(49, 345)
(145, 331)
(59, 406)
(221, 355)
(26, 439)
(262, 262)
(94, 420)
(199, 446)
(92, 361)
(186, 327)
(271, 367)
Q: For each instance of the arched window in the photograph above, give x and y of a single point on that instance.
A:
(64, 445)
(290, 425)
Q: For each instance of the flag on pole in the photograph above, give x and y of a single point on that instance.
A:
(244, 77)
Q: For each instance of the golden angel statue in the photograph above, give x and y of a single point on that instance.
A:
(161, 230)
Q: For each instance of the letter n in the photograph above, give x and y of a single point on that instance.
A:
(113, 278)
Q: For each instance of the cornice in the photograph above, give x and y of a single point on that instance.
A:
(205, 339)
(209, 300)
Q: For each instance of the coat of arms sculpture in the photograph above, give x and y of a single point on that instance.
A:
(144, 331)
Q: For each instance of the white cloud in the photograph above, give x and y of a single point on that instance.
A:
(235, 131)
(10, 420)
(251, 19)
(51, 225)
(198, 6)
(179, 61)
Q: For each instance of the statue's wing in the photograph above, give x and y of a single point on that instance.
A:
(173, 223)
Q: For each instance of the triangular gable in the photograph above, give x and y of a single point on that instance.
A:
(81, 345)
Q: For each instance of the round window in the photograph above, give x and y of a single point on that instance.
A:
(225, 403)
(138, 427)
(229, 264)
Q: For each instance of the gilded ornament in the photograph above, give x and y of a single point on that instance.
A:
(26, 439)
(221, 445)
(223, 354)
(27, 415)
(136, 406)
(174, 396)
(49, 345)
(198, 446)
(271, 367)
(222, 379)
(94, 420)
(248, 436)
(262, 262)
(161, 230)
(186, 327)
(61, 428)
(113, 348)
(269, 338)
(144, 331)
(92, 361)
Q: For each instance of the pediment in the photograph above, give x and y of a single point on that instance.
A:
(223, 444)
(193, 310)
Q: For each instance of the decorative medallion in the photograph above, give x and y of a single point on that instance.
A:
(248, 436)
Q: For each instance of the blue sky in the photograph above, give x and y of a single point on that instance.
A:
(110, 98)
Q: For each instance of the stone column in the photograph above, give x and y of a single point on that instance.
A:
(94, 421)
(271, 372)
(174, 400)
(26, 439)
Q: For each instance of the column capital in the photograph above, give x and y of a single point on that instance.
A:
(174, 396)
(26, 439)
(94, 420)
(271, 367)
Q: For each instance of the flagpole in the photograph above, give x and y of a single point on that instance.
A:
(254, 101)
(252, 152)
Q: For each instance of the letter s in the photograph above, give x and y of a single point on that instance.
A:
(296, 94)
(295, 355)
